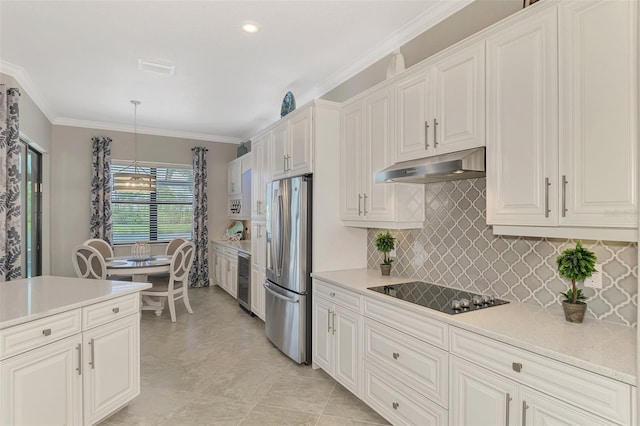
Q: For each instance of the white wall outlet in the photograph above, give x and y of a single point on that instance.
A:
(595, 280)
(392, 254)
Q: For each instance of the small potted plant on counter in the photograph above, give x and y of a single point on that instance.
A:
(575, 264)
(385, 242)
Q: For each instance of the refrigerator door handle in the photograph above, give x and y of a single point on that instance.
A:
(279, 296)
(280, 235)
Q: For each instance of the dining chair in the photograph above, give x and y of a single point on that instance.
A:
(177, 285)
(173, 245)
(88, 262)
(101, 245)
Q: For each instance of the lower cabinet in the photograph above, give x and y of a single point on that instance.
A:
(257, 291)
(336, 333)
(43, 386)
(481, 397)
(225, 268)
(80, 379)
(112, 367)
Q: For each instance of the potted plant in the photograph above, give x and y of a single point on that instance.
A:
(385, 242)
(575, 264)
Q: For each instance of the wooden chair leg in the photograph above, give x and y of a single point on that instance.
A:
(172, 309)
(185, 297)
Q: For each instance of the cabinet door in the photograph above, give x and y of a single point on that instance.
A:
(43, 386)
(257, 292)
(414, 103)
(234, 172)
(351, 159)
(479, 397)
(522, 123)
(540, 409)
(257, 231)
(346, 332)
(111, 367)
(323, 348)
(599, 112)
(378, 202)
(279, 149)
(460, 97)
(233, 279)
(257, 183)
(300, 159)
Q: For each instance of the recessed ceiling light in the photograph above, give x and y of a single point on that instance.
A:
(250, 27)
(157, 67)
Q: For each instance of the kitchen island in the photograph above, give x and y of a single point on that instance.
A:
(69, 349)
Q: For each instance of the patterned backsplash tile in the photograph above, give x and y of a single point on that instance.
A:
(456, 248)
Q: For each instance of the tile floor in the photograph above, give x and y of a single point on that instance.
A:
(216, 367)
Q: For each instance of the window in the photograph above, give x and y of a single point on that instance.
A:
(160, 216)
(31, 194)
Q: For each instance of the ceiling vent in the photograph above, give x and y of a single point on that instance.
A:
(157, 67)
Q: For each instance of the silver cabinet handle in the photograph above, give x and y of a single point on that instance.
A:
(396, 355)
(284, 162)
(517, 367)
(116, 310)
(46, 331)
(508, 405)
(364, 204)
(328, 320)
(288, 167)
(79, 367)
(359, 200)
(547, 184)
(92, 363)
(426, 135)
(524, 413)
(564, 195)
(333, 323)
(435, 132)
(395, 405)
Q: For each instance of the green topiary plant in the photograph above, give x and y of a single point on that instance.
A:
(576, 264)
(385, 242)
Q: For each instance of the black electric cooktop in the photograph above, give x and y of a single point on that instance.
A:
(443, 299)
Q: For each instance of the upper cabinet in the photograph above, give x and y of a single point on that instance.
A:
(260, 147)
(292, 146)
(239, 185)
(569, 171)
(440, 107)
(367, 129)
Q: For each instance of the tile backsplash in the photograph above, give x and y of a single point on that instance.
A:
(456, 248)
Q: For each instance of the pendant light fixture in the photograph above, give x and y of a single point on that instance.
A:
(133, 178)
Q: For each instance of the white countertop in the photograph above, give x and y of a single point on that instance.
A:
(598, 346)
(242, 245)
(29, 299)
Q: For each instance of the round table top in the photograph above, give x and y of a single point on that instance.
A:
(127, 262)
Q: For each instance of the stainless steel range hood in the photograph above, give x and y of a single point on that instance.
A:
(466, 164)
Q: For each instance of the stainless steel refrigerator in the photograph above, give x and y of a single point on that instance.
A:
(288, 284)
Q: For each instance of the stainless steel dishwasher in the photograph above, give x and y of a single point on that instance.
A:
(244, 281)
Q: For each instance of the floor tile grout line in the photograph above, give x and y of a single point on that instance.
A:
(324, 407)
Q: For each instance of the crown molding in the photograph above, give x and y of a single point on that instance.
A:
(421, 23)
(100, 125)
(27, 85)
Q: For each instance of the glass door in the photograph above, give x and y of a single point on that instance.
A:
(31, 193)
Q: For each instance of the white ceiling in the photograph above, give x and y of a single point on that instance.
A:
(78, 59)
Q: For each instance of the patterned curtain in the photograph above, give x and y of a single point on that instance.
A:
(100, 224)
(10, 220)
(200, 270)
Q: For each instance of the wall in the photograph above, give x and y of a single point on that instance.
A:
(467, 21)
(457, 248)
(71, 171)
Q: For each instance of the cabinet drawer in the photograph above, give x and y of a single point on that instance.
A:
(337, 295)
(24, 337)
(589, 391)
(398, 403)
(231, 253)
(110, 310)
(416, 363)
(417, 325)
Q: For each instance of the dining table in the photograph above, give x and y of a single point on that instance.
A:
(139, 271)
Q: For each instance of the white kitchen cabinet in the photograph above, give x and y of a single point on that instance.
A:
(234, 177)
(582, 56)
(226, 268)
(540, 409)
(336, 339)
(441, 105)
(112, 367)
(291, 146)
(43, 386)
(599, 113)
(522, 122)
(258, 268)
(257, 292)
(259, 175)
(366, 148)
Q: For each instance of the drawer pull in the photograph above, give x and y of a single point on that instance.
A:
(396, 355)
(395, 405)
(46, 331)
(517, 367)
(116, 310)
